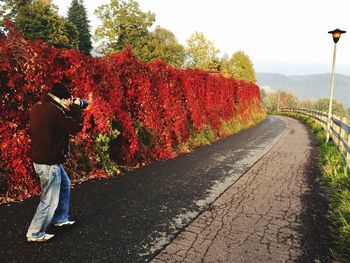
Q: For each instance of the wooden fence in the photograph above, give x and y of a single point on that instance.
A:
(339, 131)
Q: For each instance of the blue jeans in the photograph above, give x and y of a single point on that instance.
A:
(55, 198)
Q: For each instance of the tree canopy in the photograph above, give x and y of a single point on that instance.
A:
(124, 24)
(337, 108)
(201, 53)
(164, 45)
(39, 19)
(274, 101)
(77, 15)
(239, 66)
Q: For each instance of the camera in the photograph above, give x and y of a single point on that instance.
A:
(83, 103)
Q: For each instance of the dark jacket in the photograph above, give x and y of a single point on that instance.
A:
(49, 128)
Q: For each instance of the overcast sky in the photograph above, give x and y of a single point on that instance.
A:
(280, 36)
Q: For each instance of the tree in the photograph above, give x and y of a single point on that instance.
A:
(6, 11)
(292, 101)
(124, 24)
(9, 8)
(225, 65)
(77, 15)
(337, 108)
(165, 46)
(263, 93)
(38, 19)
(274, 101)
(309, 104)
(201, 53)
(241, 67)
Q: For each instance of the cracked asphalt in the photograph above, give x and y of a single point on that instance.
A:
(274, 213)
(252, 197)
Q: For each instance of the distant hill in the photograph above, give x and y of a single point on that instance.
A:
(305, 87)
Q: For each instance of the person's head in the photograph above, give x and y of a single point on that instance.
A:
(61, 92)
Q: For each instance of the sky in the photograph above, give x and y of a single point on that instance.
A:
(279, 36)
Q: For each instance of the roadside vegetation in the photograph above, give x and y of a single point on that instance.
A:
(335, 181)
(273, 102)
(150, 97)
(227, 128)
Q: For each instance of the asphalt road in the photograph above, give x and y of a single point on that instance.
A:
(275, 213)
(130, 218)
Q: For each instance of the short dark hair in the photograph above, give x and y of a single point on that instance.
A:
(60, 91)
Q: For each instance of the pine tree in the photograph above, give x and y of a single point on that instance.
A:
(77, 15)
(39, 19)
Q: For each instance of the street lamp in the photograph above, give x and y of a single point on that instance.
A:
(336, 36)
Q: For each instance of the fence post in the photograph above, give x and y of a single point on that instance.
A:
(317, 117)
(342, 134)
(320, 117)
(348, 153)
(336, 130)
(325, 118)
(331, 128)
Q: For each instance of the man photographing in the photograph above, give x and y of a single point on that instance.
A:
(51, 122)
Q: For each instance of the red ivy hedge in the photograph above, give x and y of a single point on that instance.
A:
(154, 106)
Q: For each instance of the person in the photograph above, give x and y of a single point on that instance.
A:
(52, 120)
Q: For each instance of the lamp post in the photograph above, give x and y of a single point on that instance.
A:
(336, 36)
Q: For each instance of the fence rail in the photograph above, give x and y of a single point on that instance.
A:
(339, 131)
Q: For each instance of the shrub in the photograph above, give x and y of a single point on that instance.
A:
(138, 111)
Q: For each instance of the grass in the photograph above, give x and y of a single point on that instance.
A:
(335, 181)
(207, 135)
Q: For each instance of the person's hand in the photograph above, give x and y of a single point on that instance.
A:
(77, 101)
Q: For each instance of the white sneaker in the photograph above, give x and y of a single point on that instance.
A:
(44, 238)
(65, 223)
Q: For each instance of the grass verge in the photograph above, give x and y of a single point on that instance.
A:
(207, 135)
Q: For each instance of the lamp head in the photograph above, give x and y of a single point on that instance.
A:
(336, 33)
